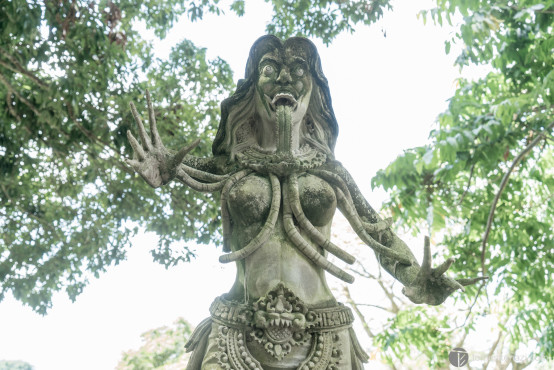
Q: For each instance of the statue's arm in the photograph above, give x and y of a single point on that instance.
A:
(403, 273)
(217, 165)
(158, 165)
(422, 283)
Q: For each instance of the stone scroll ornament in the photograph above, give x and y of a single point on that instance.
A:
(280, 185)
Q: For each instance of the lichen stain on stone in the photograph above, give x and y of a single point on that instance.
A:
(318, 199)
(250, 200)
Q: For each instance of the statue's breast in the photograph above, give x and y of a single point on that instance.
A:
(317, 198)
(249, 200)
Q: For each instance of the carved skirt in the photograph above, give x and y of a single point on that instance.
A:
(277, 332)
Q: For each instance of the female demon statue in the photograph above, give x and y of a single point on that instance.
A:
(280, 185)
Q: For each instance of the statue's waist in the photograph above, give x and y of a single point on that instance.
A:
(280, 308)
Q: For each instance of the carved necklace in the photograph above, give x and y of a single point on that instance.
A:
(281, 163)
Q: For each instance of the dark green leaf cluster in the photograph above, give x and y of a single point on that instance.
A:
(486, 178)
(415, 330)
(323, 19)
(67, 74)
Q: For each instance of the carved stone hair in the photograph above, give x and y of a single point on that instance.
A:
(320, 128)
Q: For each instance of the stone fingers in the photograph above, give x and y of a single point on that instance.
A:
(133, 163)
(137, 148)
(443, 267)
(178, 158)
(427, 259)
(142, 131)
(156, 140)
(455, 285)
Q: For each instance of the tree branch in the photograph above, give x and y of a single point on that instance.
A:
(473, 304)
(376, 306)
(468, 184)
(394, 307)
(502, 186)
(9, 103)
(491, 352)
(463, 339)
(12, 90)
(18, 68)
(42, 222)
(363, 274)
(354, 306)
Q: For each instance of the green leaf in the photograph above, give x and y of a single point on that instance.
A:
(429, 156)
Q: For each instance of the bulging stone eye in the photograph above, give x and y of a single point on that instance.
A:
(299, 72)
(268, 70)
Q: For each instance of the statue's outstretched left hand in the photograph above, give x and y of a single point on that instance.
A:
(431, 285)
(156, 164)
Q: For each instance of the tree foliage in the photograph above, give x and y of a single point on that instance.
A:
(68, 74)
(323, 19)
(14, 365)
(485, 182)
(163, 348)
(68, 70)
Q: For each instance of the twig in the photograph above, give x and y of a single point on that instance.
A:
(463, 339)
(354, 306)
(9, 103)
(374, 305)
(498, 361)
(362, 274)
(25, 101)
(473, 304)
(394, 307)
(42, 222)
(468, 184)
(491, 352)
(19, 68)
(369, 274)
(502, 186)
(93, 138)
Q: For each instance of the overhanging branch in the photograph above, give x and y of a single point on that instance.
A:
(18, 68)
(23, 100)
(503, 184)
(354, 306)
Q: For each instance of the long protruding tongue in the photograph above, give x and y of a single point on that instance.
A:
(284, 128)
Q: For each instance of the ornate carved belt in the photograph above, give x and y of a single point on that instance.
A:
(278, 322)
(280, 308)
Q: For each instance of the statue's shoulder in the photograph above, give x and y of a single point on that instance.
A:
(331, 165)
(223, 165)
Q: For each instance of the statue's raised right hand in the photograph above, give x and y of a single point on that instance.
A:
(152, 160)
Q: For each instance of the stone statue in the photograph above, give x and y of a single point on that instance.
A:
(280, 185)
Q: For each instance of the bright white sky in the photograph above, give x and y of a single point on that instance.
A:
(387, 92)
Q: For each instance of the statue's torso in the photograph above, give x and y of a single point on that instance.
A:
(278, 260)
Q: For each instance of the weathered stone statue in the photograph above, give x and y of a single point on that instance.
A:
(280, 185)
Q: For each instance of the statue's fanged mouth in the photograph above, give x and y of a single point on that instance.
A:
(283, 99)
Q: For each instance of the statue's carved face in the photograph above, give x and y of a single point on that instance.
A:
(284, 78)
